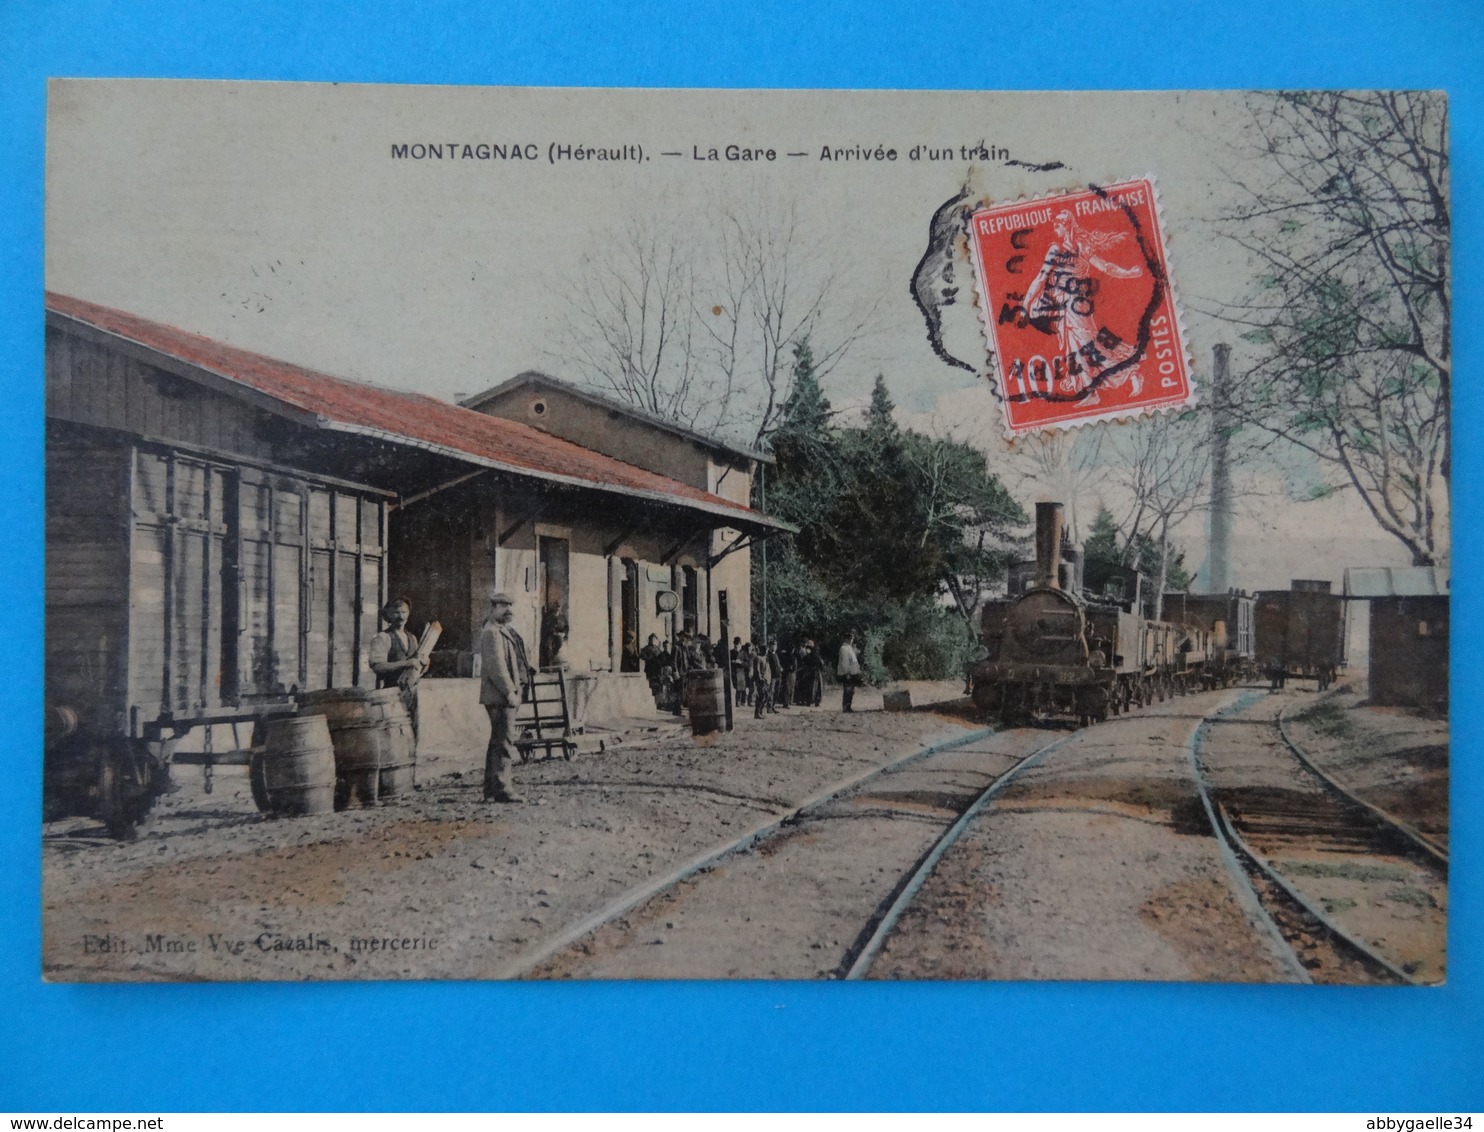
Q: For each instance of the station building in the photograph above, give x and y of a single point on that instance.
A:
(281, 508)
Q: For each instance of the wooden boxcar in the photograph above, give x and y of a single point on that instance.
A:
(1300, 632)
(184, 588)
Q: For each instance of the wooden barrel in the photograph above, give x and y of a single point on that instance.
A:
(375, 753)
(294, 774)
(705, 700)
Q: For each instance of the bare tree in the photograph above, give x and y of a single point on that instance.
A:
(1163, 465)
(698, 326)
(1070, 462)
(1346, 223)
(633, 333)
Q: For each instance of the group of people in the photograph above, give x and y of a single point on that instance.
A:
(766, 676)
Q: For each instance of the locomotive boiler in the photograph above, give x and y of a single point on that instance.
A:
(1080, 642)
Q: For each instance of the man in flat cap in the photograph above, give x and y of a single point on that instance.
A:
(504, 673)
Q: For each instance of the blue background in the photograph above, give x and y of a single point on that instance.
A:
(751, 1045)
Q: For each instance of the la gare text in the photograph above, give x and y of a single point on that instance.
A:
(560, 152)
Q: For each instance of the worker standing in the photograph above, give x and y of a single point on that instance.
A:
(394, 657)
(849, 671)
(762, 684)
(505, 670)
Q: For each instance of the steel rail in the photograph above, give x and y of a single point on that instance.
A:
(1432, 849)
(1236, 850)
(527, 961)
(1245, 892)
(907, 890)
(1272, 874)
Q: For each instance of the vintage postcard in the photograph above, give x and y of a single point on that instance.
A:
(510, 533)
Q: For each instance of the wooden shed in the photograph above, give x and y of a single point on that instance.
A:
(1409, 633)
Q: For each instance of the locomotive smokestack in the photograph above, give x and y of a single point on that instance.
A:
(1048, 544)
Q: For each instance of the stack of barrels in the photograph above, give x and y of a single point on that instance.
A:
(348, 746)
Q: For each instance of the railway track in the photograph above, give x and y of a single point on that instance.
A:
(1343, 883)
(785, 854)
(863, 954)
(943, 788)
(1267, 841)
(614, 910)
(1436, 853)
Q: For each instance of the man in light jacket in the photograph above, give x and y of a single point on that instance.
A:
(504, 672)
(849, 671)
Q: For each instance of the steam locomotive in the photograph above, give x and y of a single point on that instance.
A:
(1078, 639)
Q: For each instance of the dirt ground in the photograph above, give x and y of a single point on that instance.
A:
(438, 884)
(1393, 758)
(1096, 863)
(797, 905)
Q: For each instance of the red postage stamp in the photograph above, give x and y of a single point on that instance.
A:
(1078, 308)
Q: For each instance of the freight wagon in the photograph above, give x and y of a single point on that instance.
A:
(185, 589)
(1228, 620)
(1300, 633)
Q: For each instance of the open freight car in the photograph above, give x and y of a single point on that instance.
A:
(1228, 620)
(1299, 633)
(185, 589)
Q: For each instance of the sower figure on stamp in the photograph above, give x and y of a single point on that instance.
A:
(394, 658)
(505, 672)
(1063, 293)
(849, 671)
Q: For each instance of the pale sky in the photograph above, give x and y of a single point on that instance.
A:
(273, 217)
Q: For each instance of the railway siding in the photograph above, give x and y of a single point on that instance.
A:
(1394, 759)
(1370, 882)
(1098, 863)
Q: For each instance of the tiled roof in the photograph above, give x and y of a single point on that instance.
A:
(407, 418)
(1396, 581)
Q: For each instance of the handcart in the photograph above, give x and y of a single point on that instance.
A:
(543, 719)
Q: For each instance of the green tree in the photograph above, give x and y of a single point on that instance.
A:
(1105, 543)
(880, 416)
(887, 519)
(1103, 539)
(806, 412)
